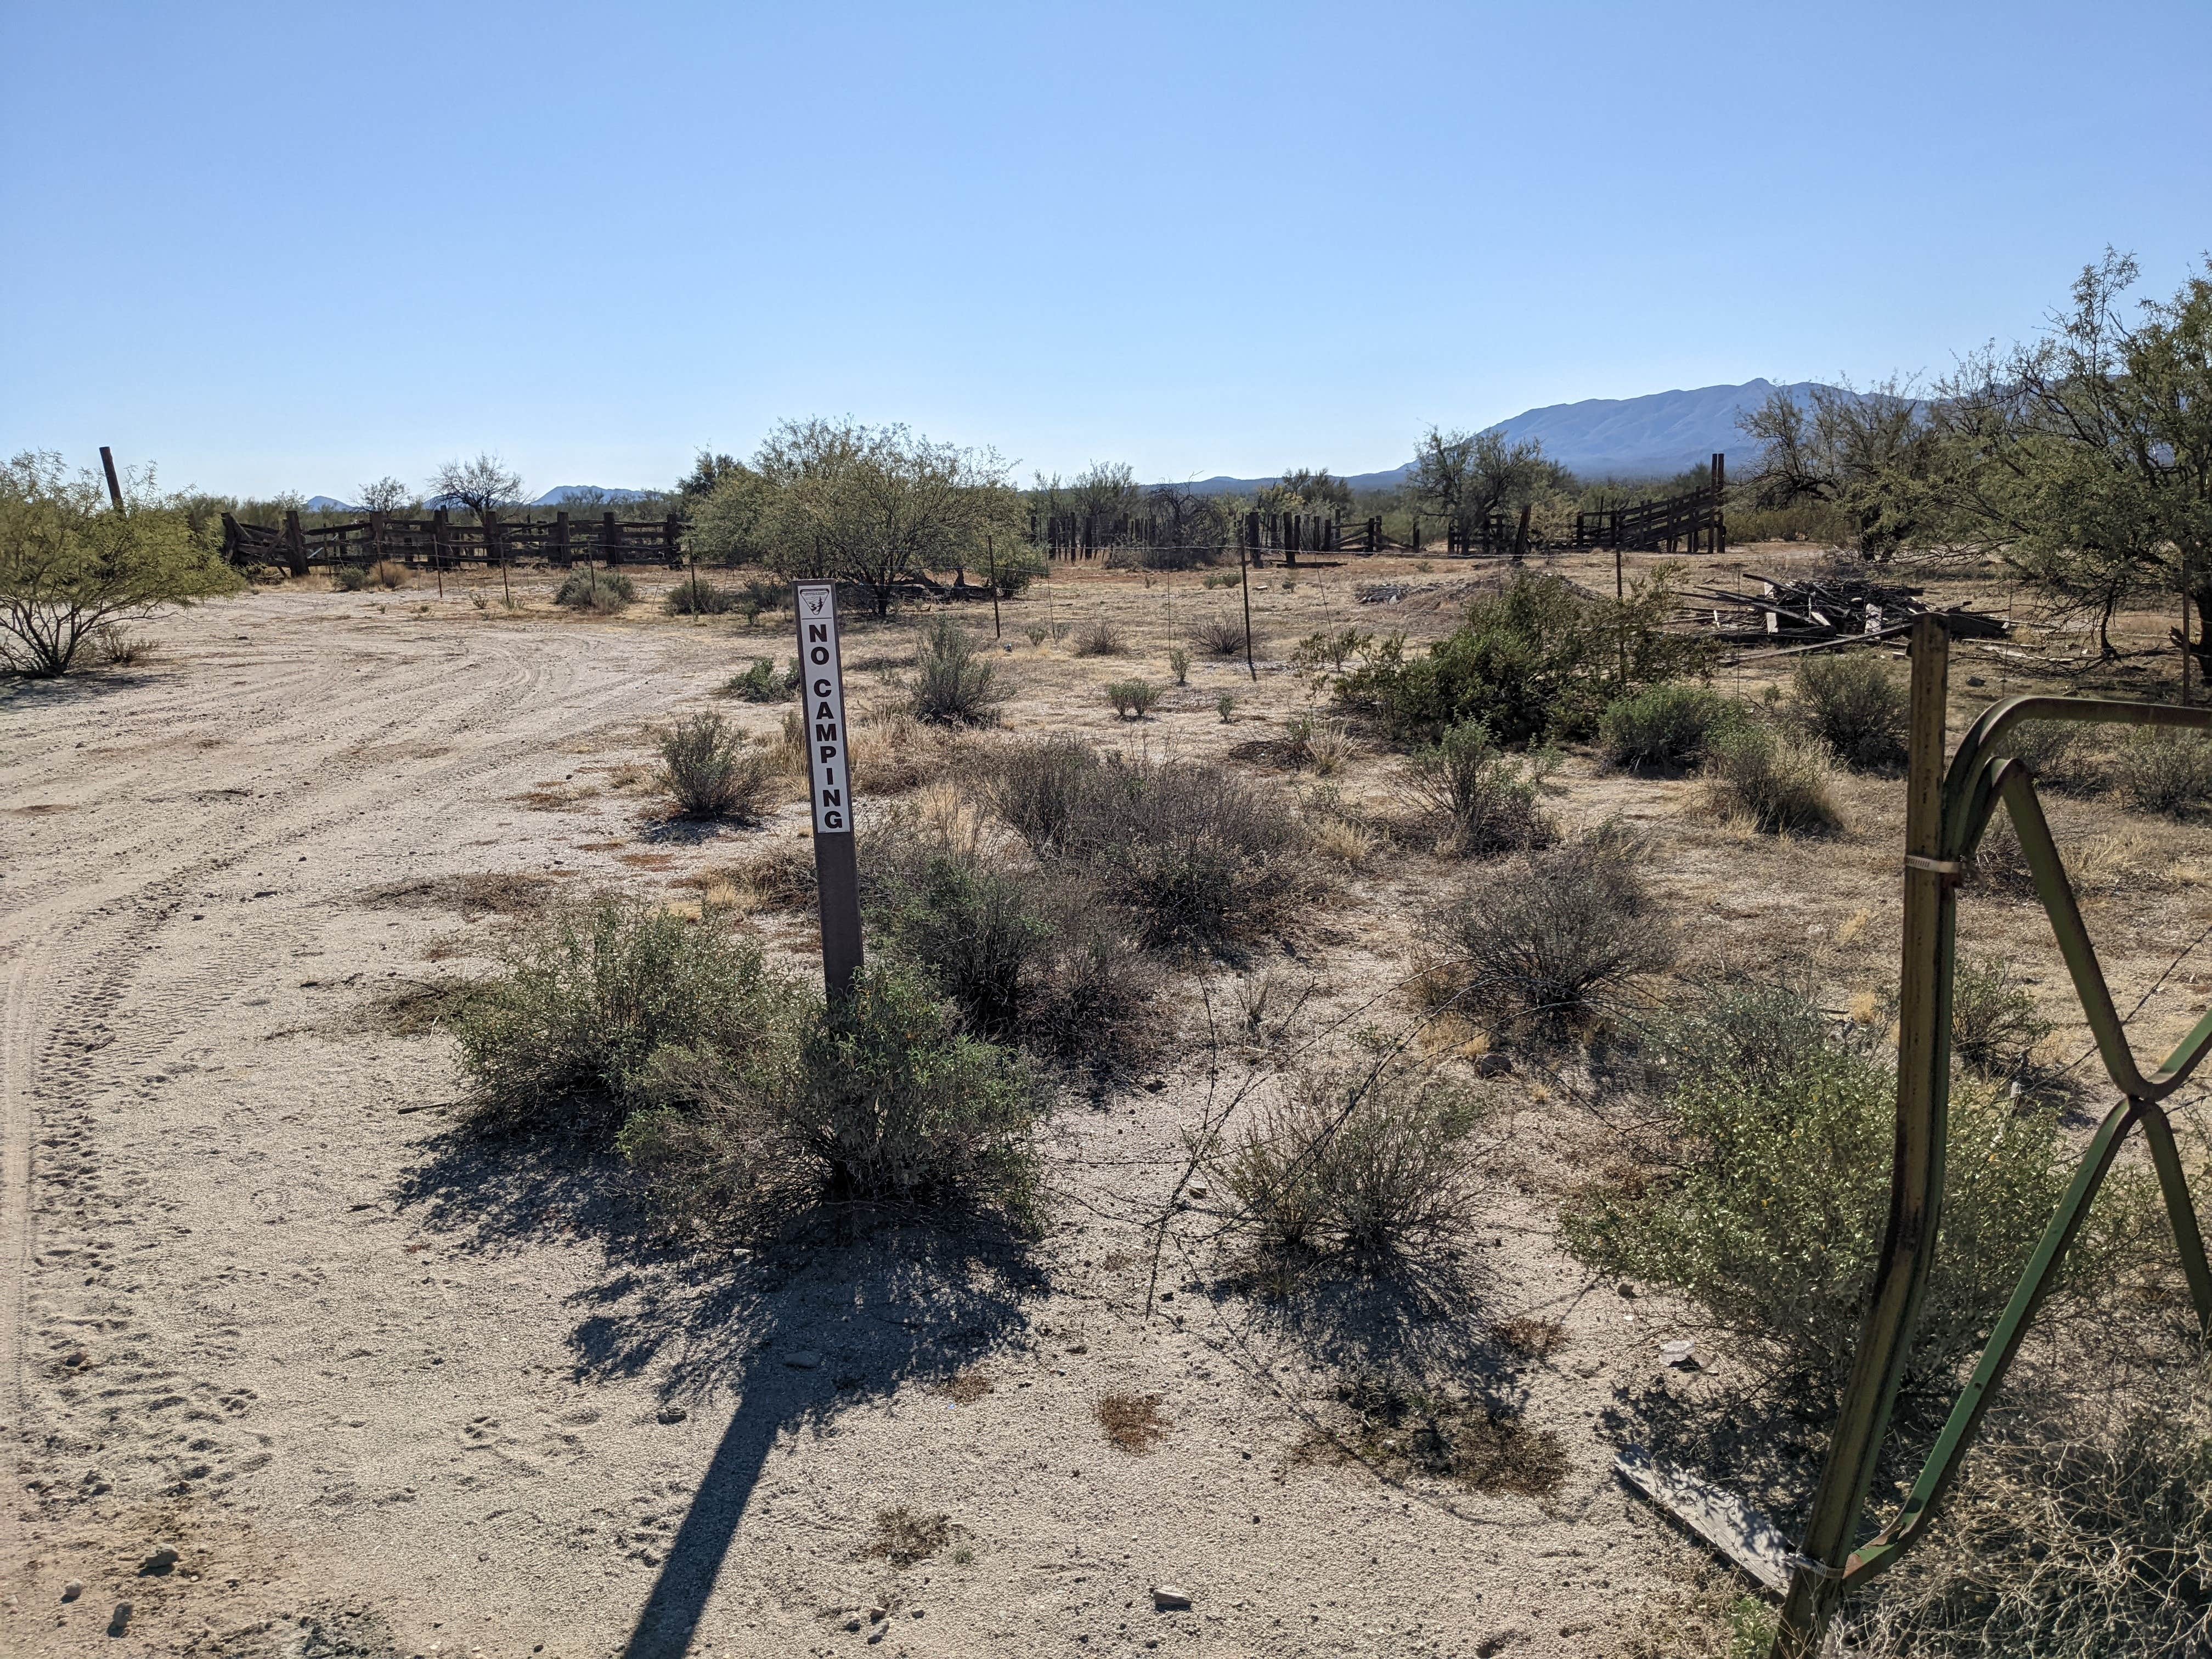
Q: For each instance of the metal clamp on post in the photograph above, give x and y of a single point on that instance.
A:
(1950, 872)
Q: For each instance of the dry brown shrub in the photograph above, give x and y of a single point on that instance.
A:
(903, 1536)
(489, 892)
(1483, 1446)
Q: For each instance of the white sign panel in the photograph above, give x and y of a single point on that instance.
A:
(821, 700)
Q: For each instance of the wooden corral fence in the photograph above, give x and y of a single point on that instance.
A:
(1680, 523)
(439, 543)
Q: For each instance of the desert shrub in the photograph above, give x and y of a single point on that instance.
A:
(2060, 753)
(955, 684)
(350, 578)
(109, 647)
(389, 574)
(1853, 703)
(706, 767)
(596, 1005)
(1782, 782)
(1199, 859)
(694, 596)
(1037, 634)
(1540, 658)
(1768, 1212)
(1225, 706)
(1100, 638)
(1542, 942)
(1993, 1024)
(1316, 744)
(1179, 664)
(1666, 728)
(1037, 789)
(595, 590)
(1133, 698)
(1485, 798)
(2157, 768)
(896, 1104)
(762, 683)
(2072, 1533)
(1219, 637)
(1376, 1166)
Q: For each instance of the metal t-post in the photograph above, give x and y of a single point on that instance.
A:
(1916, 1192)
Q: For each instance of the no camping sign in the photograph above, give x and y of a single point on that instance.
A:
(830, 782)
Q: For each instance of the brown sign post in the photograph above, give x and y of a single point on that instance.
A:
(829, 775)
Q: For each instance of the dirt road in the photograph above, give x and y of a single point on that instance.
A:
(384, 1392)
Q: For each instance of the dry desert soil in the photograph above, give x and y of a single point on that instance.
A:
(296, 1365)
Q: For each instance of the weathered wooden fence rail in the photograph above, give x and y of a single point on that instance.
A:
(1679, 524)
(438, 542)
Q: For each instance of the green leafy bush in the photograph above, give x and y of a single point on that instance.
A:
(1540, 945)
(2157, 768)
(1179, 664)
(1853, 703)
(350, 578)
(1133, 699)
(1538, 658)
(762, 683)
(596, 1006)
(1780, 781)
(596, 590)
(1486, 798)
(1667, 728)
(894, 1102)
(694, 596)
(1766, 1209)
(711, 772)
(955, 684)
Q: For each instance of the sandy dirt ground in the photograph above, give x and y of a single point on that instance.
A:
(297, 1369)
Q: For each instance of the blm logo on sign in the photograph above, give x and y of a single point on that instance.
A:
(822, 693)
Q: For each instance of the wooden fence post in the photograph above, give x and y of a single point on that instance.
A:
(562, 555)
(115, 487)
(295, 542)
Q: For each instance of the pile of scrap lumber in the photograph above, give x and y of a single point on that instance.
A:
(1814, 610)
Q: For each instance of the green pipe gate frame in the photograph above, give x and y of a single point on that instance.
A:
(1946, 812)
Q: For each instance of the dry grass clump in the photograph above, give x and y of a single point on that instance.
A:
(109, 647)
(1374, 1167)
(1994, 1027)
(1317, 746)
(1100, 638)
(1133, 1422)
(2157, 768)
(476, 892)
(711, 772)
(1778, 781)
(1485, 797)
(893, 753)
(1221, 635)
(1542, 945)
(389, 574)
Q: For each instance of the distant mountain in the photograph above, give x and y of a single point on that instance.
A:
(1622, 438)
(562, 494)
(328, 504)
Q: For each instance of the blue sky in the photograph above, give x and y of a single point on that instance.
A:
(296, 246)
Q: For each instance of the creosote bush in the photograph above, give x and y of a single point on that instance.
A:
(1851, 701)
(596, 590)
(598, 1004)
(350, 578)
(1766, 1209)
(694, 596)
(1539, 658)
(1666, 728)
(2157, 768)
(1373, 1166)
(1541, 945)
(710, 771)
(955, 684)
(1485, 798)
(1782, 782)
